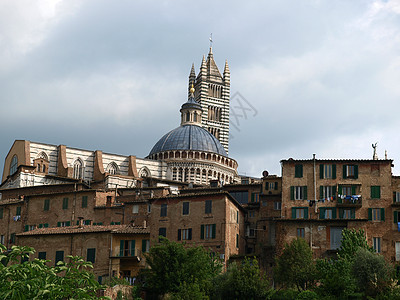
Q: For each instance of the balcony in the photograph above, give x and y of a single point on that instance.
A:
(349, 201)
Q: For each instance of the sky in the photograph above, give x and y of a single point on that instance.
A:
(313, 76)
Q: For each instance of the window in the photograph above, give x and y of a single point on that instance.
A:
(327, 192)
(78, 168)
(254, 197)
(347, 190)
(298, 192)
(376, 214)
(64, 224)
(18, 211)
(91, 255)
(350, 171)
(185, 208)
(184, 234)
(208, 207)
(87, 222)
(12, 238)
(59, 256)
(327, 171)
(84, 201)
(240, 196)
(299, 212)
(42, 255)
(298, 171)
(300, 232)
(29, 227)
(2, 239)
(163, 212)
(237, 216)
(375, 192)
(115, 223)
(43, 225)
(135, 209)
(127, 247)
(1, 212)
(250, 232)
(162, 231)
(208, 231)
(396, 217)
(347, 213)
(327, 213)
(13, 165)
(251, 214)
(377, 244)
(396, 197)
(112, 168)
(277, 205)
(187, 116)
(46, 205)
(271, 186)
(65, 203)
(237, 241)
(149, 208)
(145, 246)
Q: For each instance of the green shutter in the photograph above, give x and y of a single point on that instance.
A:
(321, 192)
(352, 213)
(293, 213)
(237, 241)
(267, 186)
(214, 230)
(276, 185)
(26, 228)
(91, 255)
(202, 232)
(370, 214)
(46, 225)
(353, 189)
(18, 211)
(305, 192)
(306, 213)
(68, 223)
(40, 226)
(65, 203)
(334, 190)
(292, 193)
(382, 214)
(179, 234)
(132, 250)
(322, 213)
(334, 213)
(379, 192)
(340, 213)
(344, 172)
(298, 171)
(58, 224)
(144, 246)
(395, 215)
(46, 204)
(333, 171)
(321, 171)
(84, 201)
(1, 212)
(121, 247)
(394, 198)
(252, 197)
(190, 234)
(355, 171)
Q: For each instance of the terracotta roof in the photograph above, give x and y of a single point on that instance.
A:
(338, 160)
(11, 201)
(87, 229)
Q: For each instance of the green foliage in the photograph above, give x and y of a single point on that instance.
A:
(242, 281)
(173, 266)
(36, 280)
(335, 278)
(352, 240)
(371, 272)
(189, 292)
(284, 295)
(116, 281)
(307, 295)
(295, 267)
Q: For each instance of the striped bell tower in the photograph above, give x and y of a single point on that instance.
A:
(212, 91)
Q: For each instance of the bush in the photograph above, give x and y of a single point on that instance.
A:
(307, 295)
(284, 295)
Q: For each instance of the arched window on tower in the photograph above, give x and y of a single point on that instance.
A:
(112, 168)
(195, 117)
(13, 165)
(187, 116)
(78, 169)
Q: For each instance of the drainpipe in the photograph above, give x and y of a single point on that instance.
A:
(315, 200)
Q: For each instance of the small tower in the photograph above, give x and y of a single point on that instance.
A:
(191, 111)
(213, 93)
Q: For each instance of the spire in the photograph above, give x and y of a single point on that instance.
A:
(226, 68)
(203, 64)
(192, 72)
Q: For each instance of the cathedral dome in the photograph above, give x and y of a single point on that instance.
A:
(189, 137)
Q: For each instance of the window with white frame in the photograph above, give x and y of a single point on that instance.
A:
(327, 192)
(328, 213)
(346, 214)
(327, 171)
(135, 209)
(377, 244)
(185, 234)
(300, 192)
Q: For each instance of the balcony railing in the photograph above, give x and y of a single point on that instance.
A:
(353, 200)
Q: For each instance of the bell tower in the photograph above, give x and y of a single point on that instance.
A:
(212, 91)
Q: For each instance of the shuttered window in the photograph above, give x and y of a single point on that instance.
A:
(208, 207)
(375, 192)
(298, 171)
(59, 256)
(65, 203)
(84, 201)
(91, 255)
(46, 205)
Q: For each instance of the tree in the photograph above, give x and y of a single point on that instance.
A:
(36, 280)
(242, 281)
(295, 267)
(372, 272)
(352, 240)
(173, 266)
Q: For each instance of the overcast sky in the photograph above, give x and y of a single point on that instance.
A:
(317, 76)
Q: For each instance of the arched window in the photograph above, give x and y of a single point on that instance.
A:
(78, 169)
(195, 117)
(13, 165)
(112, 168)
(187, 116)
